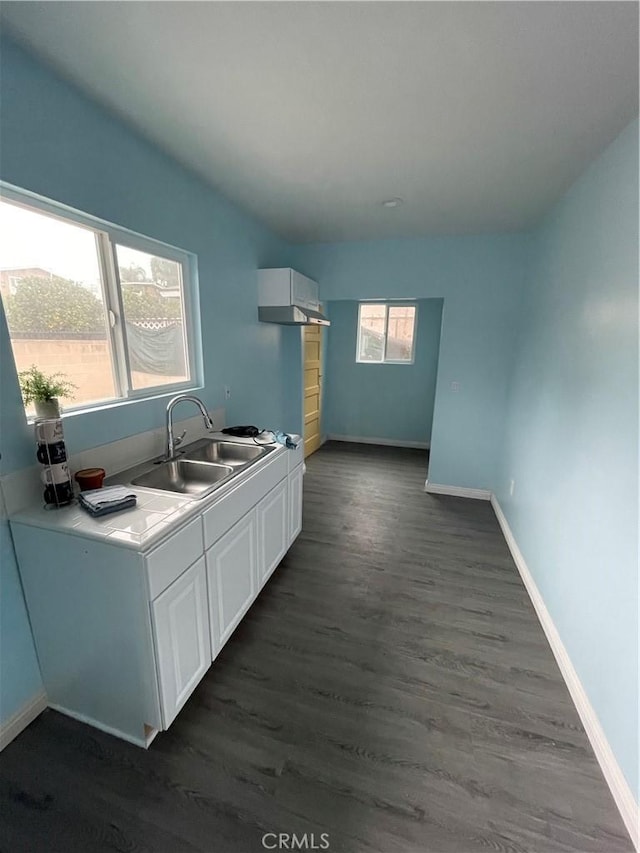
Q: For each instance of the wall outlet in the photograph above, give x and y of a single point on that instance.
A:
(227, 392)
(512, 486)
(455, 387)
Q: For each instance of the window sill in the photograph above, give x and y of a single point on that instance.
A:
(382, 363)
(110, 405)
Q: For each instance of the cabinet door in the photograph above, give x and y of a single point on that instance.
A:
(295, 503)
(304, 291)
(231, 569)
(273, 530)
(182, 638)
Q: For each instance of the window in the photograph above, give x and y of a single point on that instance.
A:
(107, 308)
(386, 333)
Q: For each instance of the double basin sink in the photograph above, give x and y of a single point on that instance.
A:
(201, 467)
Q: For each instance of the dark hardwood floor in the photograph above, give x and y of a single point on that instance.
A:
(390, 687)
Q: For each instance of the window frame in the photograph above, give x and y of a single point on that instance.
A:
(388, 303)
(107, 237)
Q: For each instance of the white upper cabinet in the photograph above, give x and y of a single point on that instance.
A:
(285, 286)
(304, 291)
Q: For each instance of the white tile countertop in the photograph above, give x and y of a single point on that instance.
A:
(156, 515)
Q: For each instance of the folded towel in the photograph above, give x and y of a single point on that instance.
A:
(107, 495)
(110, 499)
(289, 441)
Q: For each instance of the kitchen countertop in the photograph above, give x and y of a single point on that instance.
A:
(157, 514)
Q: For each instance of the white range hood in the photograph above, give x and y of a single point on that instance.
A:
(289, 298)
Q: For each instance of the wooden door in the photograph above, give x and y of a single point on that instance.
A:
(312, 387)
(183, 645)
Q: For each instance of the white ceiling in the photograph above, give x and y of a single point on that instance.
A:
(478, 114)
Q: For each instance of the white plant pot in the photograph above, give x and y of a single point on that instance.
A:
(48, 408)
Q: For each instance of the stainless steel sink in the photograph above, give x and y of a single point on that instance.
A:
(200, 468)
(185, 477)
(226, 453)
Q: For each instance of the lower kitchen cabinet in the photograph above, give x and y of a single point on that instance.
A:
(124, 633)
(273, 530)
(232, 572)
(182, 638)
(295, 502)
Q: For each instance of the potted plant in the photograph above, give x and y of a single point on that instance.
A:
(44, 391)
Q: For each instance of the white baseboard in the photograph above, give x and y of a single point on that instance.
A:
(457, 491)
(21, 719)
(150, 735)
(27, 714)
(142, 741)
(386, 442)
(622, 794)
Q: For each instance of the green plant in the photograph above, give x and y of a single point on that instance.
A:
(143, 305)
(53, 304)
(36, 385)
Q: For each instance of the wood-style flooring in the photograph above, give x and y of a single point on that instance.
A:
(391, 687)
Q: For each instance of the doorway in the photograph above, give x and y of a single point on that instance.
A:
(371, 400)
(312, 341)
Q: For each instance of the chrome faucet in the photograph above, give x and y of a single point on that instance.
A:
(172, 441)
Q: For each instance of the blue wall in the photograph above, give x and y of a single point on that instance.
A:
(481, 280)
(388, 401)
(571, 441)
(56, 142)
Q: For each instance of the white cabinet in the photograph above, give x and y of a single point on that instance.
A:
(304, 291)
(224, 513)
(125, 634)
(285, 286)
(295, 502)
(232, 572)
(182, 638)
(273, 530)
(169, 560)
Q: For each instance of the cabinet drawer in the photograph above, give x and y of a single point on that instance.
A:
(169, 560)
(224, 514)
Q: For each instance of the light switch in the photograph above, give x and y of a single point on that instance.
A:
(455, 387)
